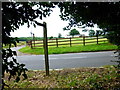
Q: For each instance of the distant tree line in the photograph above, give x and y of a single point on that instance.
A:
(29, 38)
(36, 38)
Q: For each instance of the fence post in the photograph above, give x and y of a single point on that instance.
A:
(84, 40)
(56, 42)
(70, 42)
(34, 39)
(97, 38)
(31, 44)
(26, 43)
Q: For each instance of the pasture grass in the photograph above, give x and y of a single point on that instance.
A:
(67, 49)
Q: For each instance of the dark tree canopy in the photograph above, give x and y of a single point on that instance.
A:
(105, 14)
(15, 15)
(84, 30)
(74, 32)
(86, 14)
(91, 33)
(59, 35)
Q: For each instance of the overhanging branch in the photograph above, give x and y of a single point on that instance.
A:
(40, 24)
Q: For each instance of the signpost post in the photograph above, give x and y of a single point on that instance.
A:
(46, 48)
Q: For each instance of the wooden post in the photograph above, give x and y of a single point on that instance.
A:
(56, 42)
(26, 43)
(46, 49)
(70, 42)
(84, 40)
(31, 44)
(34, 39)
(97, 38)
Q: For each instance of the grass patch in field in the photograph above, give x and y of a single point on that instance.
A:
(83, 78)
(68, 49)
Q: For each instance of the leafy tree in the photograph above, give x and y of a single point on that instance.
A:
(100, 32)
(85, 30)
(14, 15)
(59, 35)
(74, 32)
(91, 33)
(106, 15)
(51, 37)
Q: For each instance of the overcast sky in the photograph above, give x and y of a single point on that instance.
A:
(54, 26)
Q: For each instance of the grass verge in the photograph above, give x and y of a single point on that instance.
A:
(67, 49)
(84, 78)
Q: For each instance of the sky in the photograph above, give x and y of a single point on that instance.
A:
(54, 26)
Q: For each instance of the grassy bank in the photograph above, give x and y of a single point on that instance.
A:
(84, 78)
(73, 49)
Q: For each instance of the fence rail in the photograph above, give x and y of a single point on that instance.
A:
(67, 41)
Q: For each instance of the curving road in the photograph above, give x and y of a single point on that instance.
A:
(71, 60)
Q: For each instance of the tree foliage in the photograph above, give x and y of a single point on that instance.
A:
(51, 37)
(84, 30)
(100, 32)
(74, 32)
(17, 14)
(14, 15)
(86, 14)
(106, 15)
(91, 33)
(59, 35)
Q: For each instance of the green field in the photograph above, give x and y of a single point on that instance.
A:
(68, 49)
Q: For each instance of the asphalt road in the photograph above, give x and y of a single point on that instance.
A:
(71, 60)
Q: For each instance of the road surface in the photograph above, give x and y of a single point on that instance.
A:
(71, 60)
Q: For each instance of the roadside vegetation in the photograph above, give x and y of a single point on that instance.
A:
(105, 77)
(68, 49)
(17, 44)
